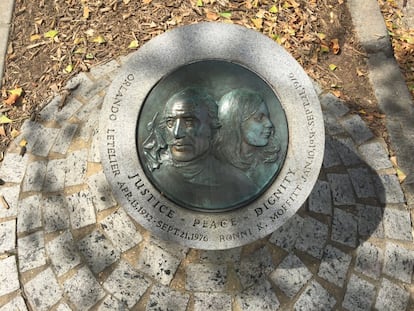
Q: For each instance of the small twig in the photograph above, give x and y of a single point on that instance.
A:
(4, 202)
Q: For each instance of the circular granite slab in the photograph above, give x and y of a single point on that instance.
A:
(66, 244)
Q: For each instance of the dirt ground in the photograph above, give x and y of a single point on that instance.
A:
(53, 40)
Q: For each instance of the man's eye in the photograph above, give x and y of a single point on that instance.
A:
(170, 123)
(189, 122)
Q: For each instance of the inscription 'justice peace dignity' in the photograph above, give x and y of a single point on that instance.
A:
(212, 155)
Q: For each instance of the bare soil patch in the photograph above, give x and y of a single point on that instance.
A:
(53, 40)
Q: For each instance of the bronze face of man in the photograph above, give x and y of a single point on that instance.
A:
(188, 125)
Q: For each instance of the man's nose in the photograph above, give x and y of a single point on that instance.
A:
(268, 123)
(178, 129)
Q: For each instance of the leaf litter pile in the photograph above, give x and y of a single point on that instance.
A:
(53, 40)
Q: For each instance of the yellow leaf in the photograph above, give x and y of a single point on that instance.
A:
(401, 175)
(17, 91)
(99, 39)
(86, 12)
(225, 14)
(133, 45)
(324, 48)
(146, 1)
(273, 9)
(89, 56)
(23, 143)
(332, 67)
(80, 51)
(51, 33)
(14, 133)
(35, 37)
(4, 119)
(78, 41)
(258, 23)
(321, 36)
(126, 1)
(200, 3)
(69, 68)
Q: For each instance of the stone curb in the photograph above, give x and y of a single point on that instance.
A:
(6, 12)
(388, 83)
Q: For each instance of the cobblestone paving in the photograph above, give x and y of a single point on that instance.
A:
(65, 244)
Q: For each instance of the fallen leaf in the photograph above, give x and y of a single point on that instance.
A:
(80, 50)
(258, 23)
(321, 35)
(90, 32)
(14, 133)
(324, 48)
(17, 91)
(12, 99)
(4, 119)
(212, 16)
(69, 68)
(225, 14)
(86, 12)
(51, 34)
(200, 3)
(23, 143)
(126, 1)
(146, 1)
(4, 202)
(35, 37)
(99, 39)
(335, 46)
(332, 67)
(2, 131)
(89, 56)
(273, 9)
(360, 73)
(337, 93)
(133, 45)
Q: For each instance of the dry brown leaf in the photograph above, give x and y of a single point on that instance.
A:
(335, 46)
(258, 23)
(212, 16)
(12, 99)
(146, 1)
(2, 131)
(86, 12)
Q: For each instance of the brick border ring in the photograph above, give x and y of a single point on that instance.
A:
(119, 121)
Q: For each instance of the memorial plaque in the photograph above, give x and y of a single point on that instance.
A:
(211, 136)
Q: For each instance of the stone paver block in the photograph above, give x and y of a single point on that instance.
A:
(391, 297)
(9, 279)
(83, 289)
(158, 264)
(35, 176)
(87, 128)
(31, 251)
(55, 213)
(206, 277)
(7, 235)
(86, 87)
(344, 228)
(330, 156)
(369, 260)
(370, 221)
(286, 236)
(11, 198)
(110, 68)
(255, 267)
(98, 251)
(112, 304)
(258, 297)
(121, 230)
(174, 249)
(13, 167)
(342, 190)
(361, 179)
(217, 256)
(94, 155)
(81, 210)
(334, 105)
(334, 265)
(397, 224)
(163, 298)
(320, 200)
(291, 275)
(41, 141)
(391, 189)
(92, 107)
(347, 150)
(17, 304)
(64, 138)
(375, 155)
(63, 307)
(52, 111)
(76, 165)
(313, 237)
(332, 125)
(63, 253)
(55, 176)
(29, 214)
(101, 192)
(315, 298)
(398, 262)
(357, 128)
(212, 301)
(359, 295)
(126, 284)
(43, 291)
